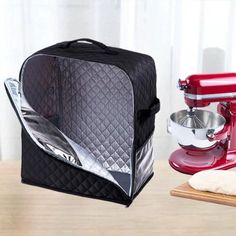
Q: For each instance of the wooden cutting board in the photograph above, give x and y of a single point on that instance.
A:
(186, 191)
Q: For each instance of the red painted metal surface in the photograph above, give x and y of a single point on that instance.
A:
(222, 155)
(208, 84)
(191, 163)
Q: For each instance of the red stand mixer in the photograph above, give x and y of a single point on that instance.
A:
(207, 139)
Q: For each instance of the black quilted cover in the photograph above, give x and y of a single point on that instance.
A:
(39, 168)
(139, 67)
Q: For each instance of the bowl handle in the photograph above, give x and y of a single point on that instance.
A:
(219, 135)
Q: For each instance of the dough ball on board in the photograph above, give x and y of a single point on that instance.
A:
(216, 181)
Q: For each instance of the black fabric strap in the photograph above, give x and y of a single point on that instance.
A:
(151, 111)
(96, 43)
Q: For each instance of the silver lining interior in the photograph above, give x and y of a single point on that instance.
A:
(80, 112)
(50, 139)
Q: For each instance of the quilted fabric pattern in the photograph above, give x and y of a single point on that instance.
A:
(48, 138)
(41, 85)
(144, 164)
(98, 111)
(93, 101)
(41, 169)
(139, 67)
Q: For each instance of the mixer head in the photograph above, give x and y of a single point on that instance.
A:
(192, 119)
(200, 90)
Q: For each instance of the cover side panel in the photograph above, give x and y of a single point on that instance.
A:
(139, 67)
(93, 103)
(144, 164)
(97, 105)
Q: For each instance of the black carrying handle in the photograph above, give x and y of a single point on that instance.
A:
(94, 42)
(151, 111)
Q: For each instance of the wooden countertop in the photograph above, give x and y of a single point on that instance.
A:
(28, 210)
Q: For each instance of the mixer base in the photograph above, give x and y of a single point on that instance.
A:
(191, 162)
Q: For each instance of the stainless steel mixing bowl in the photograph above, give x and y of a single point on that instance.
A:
(191, 128)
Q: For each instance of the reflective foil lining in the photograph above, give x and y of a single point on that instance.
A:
(49, 138)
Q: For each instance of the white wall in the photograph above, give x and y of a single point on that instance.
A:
(29, 25)
(175, 33)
